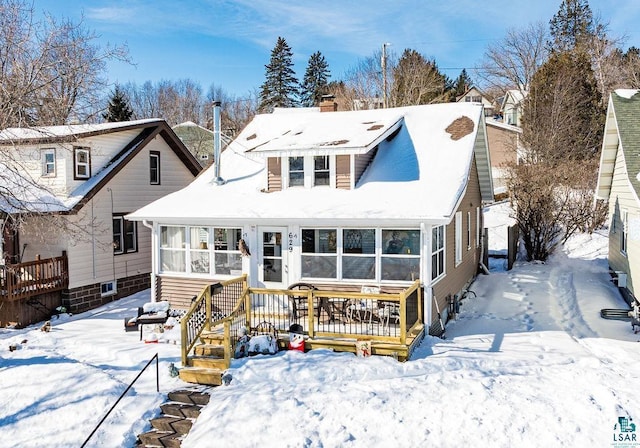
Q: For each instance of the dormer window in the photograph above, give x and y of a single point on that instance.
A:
(81, 163)
(48, 156)
(296, 171)
(321, 172)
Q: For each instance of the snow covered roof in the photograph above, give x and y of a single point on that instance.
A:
(318, 133)
(419, 173)
(27, 194)
(53, 133)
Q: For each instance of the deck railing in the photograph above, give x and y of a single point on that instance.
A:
(24, 280)
(384, 317)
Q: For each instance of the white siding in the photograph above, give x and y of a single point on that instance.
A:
(623, 198)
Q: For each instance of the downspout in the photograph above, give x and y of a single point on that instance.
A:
(153, 259)
(113, 257)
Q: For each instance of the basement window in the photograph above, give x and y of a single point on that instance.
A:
(108, 288)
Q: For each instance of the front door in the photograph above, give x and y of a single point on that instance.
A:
(272, 261)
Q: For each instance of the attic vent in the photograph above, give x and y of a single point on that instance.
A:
(251, 137)
(460, 127)
(375, 127)
(335, 143)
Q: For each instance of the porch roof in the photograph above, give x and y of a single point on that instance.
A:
(419, 175)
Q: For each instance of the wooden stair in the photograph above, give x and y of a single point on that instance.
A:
(177, 418)
(208, 363)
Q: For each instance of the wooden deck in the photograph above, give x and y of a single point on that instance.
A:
(335, 320)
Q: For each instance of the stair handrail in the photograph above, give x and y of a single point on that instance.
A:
(198, 317)
(124, 393)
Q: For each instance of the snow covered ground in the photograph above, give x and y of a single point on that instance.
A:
(528, 363)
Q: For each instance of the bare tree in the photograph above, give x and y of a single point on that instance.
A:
(512, 62)
(417, 80)
(552, 203)
(51, 72)
(363, 83)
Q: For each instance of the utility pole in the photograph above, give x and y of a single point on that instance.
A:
(384, 75)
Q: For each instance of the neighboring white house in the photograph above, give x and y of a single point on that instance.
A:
(474, 95)
(512, 104)
(619, 185)
(93, 175)
(363, 198)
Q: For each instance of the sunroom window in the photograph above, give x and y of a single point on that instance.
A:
(319, 253)
(191, 249)
(437, 252)
(359, 249)
(400, 254)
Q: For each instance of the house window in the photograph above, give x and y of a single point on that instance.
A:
(199, 250)
(437, 252)
(125, 236)
(458, 240)
(173, 243)
(320, 253)
(191, 249)
(468, 230)
(81, 163)
(296, 171)
(478, 227)
(400, 258)
(624, 231)
(108, 288)
(154, 168)
(48, 157)
(228, 260)
(359, 249)
(321, 170)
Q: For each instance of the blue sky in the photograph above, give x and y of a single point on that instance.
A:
(228, 43)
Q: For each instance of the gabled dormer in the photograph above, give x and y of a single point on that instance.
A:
(317, 149)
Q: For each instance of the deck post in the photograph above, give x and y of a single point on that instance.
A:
(311, 313)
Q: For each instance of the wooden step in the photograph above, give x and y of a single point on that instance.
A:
(201, 375)
(177, 425)
(189, 397)
(161, 439)
(181, 410)
(212, 337)
(207, 362)
(215, 350)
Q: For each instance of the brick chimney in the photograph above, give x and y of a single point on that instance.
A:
(328, 104)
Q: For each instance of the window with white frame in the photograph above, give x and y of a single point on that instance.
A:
(191, 250)
(468, 230)
(81, 163)
(624, 231)
(478, 228)
(458, 240)
(154, 167)
(361, 254)
(320, 253)
(48, 156)
(437, 252)
(400, 259)
(108, 288)
(173, 247)
(125, 236)
(296, 171)
(321, 171)
(358, 254)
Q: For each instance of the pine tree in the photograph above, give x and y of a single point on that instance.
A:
(417, 80)
(315, 80)
(572, 26)
(280, 88)
(118, 108)
(461, 84)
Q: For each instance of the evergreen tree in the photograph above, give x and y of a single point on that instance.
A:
(563, 117)
(417, 80)
(315, 81)
(280, 88)
(572, 26)
(118, 108)
(461, 84)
